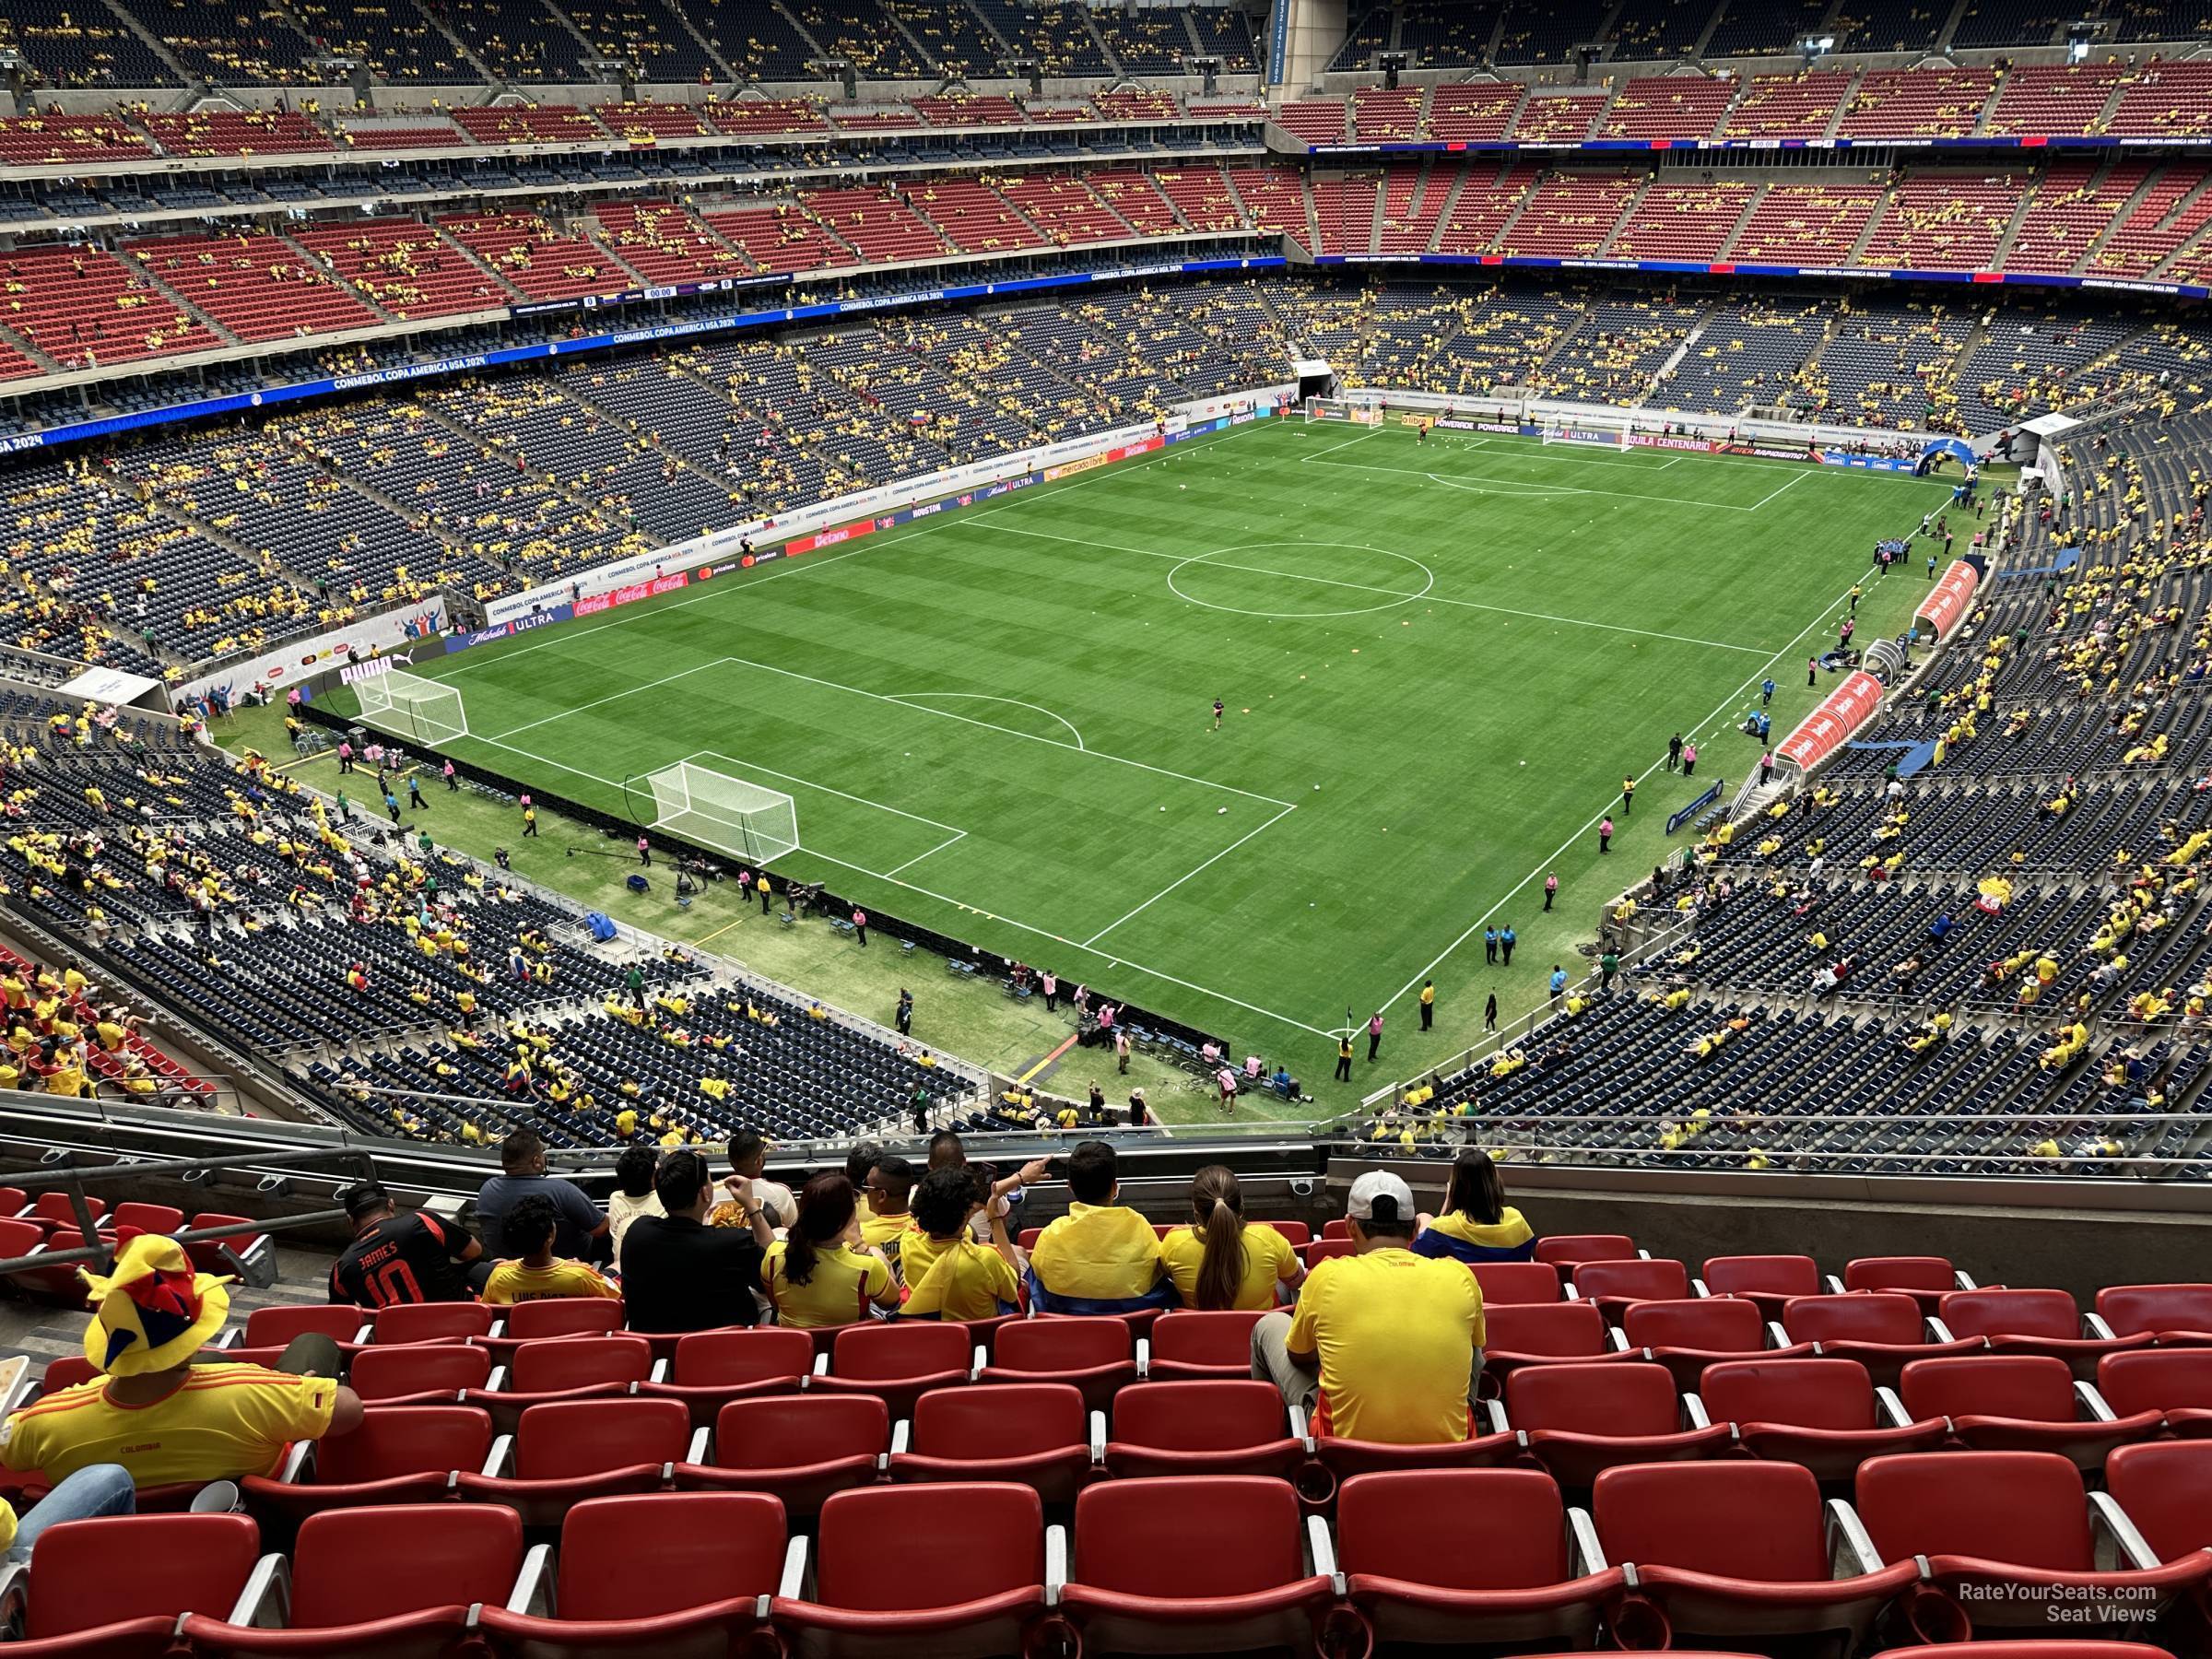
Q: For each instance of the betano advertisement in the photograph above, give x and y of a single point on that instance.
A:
(1842, 711)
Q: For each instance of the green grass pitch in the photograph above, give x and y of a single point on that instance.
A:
(1438, 660)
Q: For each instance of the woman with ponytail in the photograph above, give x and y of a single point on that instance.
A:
(1217, 1260)
(1476, 1224)
(820, 1272)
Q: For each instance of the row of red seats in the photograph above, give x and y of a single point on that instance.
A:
(49, 1224)
(1982, 1543)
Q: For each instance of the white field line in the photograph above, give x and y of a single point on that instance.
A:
(1785, 489)
(1186, 875)
(745, 768)
(665, 679)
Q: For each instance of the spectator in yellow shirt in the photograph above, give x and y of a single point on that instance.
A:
(948, 1274)
(821, 1273)
(537, 1273)
(1384, 1344)
(891, 1185)
(165, 1419)
(1218, 1262)
(1101, 1257)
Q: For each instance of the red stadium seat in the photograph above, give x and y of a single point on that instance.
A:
(1335, 1459)
(2032, 1322)
(1579, 1420)
(1257, 1584)
(2009, 1538)
(2178, 1315)
(1510, 1283)
(2174, 1381)
(674, 1576)
(1327, 1248)
(1196, 1346)
(1538, 1334)
(2165, 1489)
(67, 1372)
(2030, 1649)
(431, 1322)
(1926, 1279)
(713, 1367)
(396, 1456)
(1612, 1284)
(977, 1587)
(896, 1363)
(58, 1209)
(1687, 1336)
(1505, 1567)
(1336, 1230)
(554, 1316)
(2020, 1403)
(1730, 1551)
(397, 1583)
(429, 1373)
(801, 1448)
(1097, 1355)
(247, 1243)
(1036, 1434)
(1214, 1427)
(116, 1588)
(1568, 1250)
(1820, 1414)
(1768, 1281)
(274, 1327)
(1885, 1331)
(563, 1452)
(1296, 1234)
(145, 1217)
(577, 1368)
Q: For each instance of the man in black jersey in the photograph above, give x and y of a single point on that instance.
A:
(399, 1256)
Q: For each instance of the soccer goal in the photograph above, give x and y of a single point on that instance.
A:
(726, 813)
(412, 707)
(1595, 431)
(1338, 408)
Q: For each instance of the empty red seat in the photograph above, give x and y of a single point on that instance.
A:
(145, 1217)
(2032, 1322)
(431, 1322)
(976, 1587)
(1296, 1234)
(1257, 1584)
(1193, 1345)
(1033, 1433)
(1328, 1248)
(713, 1367)
(397, 1583)
(2009, 1538)
(1685, 1336)
(2175, 1315)
(554, 1316)
(1820, 1414)
(248, 1243)
(2020, 1403)
(2165, 1489)
(1736, 1550)
(274, 1327)
(1612, 1284)
(896, 1363)
(1926, 1279)
(411, 1457)
(674, 1576)
(1538, 1334)
(1884, 1331)
(1507, 1567)
(1566, 1250)
(2176, 1382)
(801, 1448)
(1768, 1281)
(59, 1209)
(1339, 1228)
(1206, 1427)
(1579, 1420)
(1096, 1355)
(563, 1452)
(1507, 1283)
(116, 1588)
(579, 1368)
(429, 1373)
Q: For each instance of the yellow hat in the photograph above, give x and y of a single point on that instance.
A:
(153, 1312)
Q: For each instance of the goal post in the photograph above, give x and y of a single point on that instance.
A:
(411, 706)
(718, 809)
(1339, 408)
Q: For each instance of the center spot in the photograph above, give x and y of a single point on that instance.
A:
(1299, 579)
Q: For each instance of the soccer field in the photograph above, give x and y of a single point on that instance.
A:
(1438, 660)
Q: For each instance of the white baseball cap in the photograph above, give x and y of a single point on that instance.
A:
(1380, 1184)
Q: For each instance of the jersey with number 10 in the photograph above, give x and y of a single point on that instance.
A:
(404, 1258)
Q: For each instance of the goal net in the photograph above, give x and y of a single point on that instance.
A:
(1591, 430)
(715, 809)
(1337, 408)
(412, 707)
